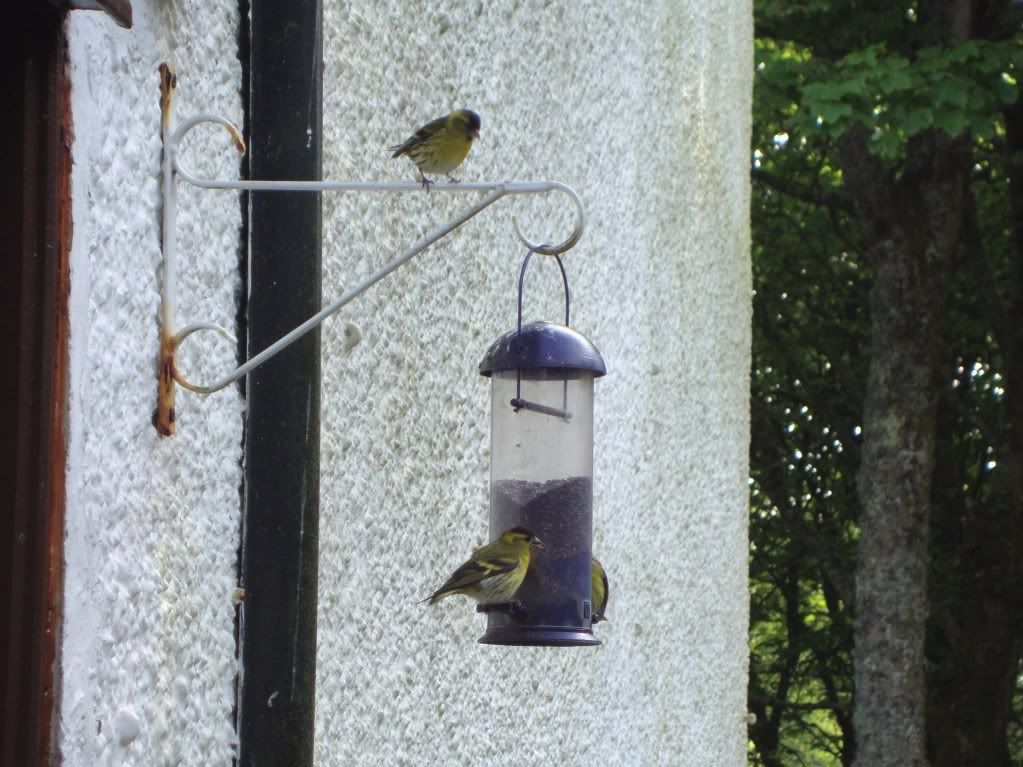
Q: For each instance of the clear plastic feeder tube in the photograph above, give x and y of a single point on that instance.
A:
(541, 478)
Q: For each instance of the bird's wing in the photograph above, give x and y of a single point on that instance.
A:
(425, 133)
(481, 566)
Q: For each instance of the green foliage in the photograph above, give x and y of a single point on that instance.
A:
(888, 85)
(808, 371)
(824, 68)
(951, 89)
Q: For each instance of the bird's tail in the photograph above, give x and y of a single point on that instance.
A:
(399, 150)
(434, 598)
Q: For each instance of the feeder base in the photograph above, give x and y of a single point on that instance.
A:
(523, 636)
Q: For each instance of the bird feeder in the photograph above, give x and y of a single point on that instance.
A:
(541, 475)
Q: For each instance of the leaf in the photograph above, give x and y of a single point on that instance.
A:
(962, 52)
(853, 86)
(1007, 90)
(886, 143)
(916, 121)
(950, 121)
(834, 111)
(982, 128)
(894, 78)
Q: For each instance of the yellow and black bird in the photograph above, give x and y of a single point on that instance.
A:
(601, 591)
(441, 145)
(494, 572)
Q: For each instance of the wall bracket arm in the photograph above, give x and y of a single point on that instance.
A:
(171, 340)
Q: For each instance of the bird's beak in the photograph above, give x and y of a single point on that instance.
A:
(538, 544)
(475, 134)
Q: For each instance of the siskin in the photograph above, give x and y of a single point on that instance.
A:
(601, 591)
(494, 572)
(441, 145)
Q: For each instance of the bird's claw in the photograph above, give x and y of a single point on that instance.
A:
(426, 183)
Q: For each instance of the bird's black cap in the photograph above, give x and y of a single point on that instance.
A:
(474, 119)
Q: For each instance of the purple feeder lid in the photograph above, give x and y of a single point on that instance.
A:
(542, 345)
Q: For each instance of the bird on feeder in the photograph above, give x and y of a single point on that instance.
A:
(494, 572)
(600, 591)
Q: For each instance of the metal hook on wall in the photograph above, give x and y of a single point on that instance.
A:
(170, 341)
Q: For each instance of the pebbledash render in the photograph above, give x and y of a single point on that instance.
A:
(644, 108)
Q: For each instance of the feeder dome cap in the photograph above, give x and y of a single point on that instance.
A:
(542, 345)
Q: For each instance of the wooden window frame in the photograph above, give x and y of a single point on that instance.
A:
(35, 225)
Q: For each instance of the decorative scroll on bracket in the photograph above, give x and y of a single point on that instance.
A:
(165, 418)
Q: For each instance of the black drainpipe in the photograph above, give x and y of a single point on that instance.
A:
(280, 514)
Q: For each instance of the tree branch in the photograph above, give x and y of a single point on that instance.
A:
(866, 180)
(763, 29)
(770, 700)
(830, 198)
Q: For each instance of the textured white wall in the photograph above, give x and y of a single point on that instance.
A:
(148, 657)
(644, 107)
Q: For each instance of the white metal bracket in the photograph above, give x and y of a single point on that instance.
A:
(164, 418)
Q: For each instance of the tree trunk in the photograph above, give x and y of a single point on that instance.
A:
(894, 489)
(914, 229)
(976, 634)
(973, 636)
(969, 695)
